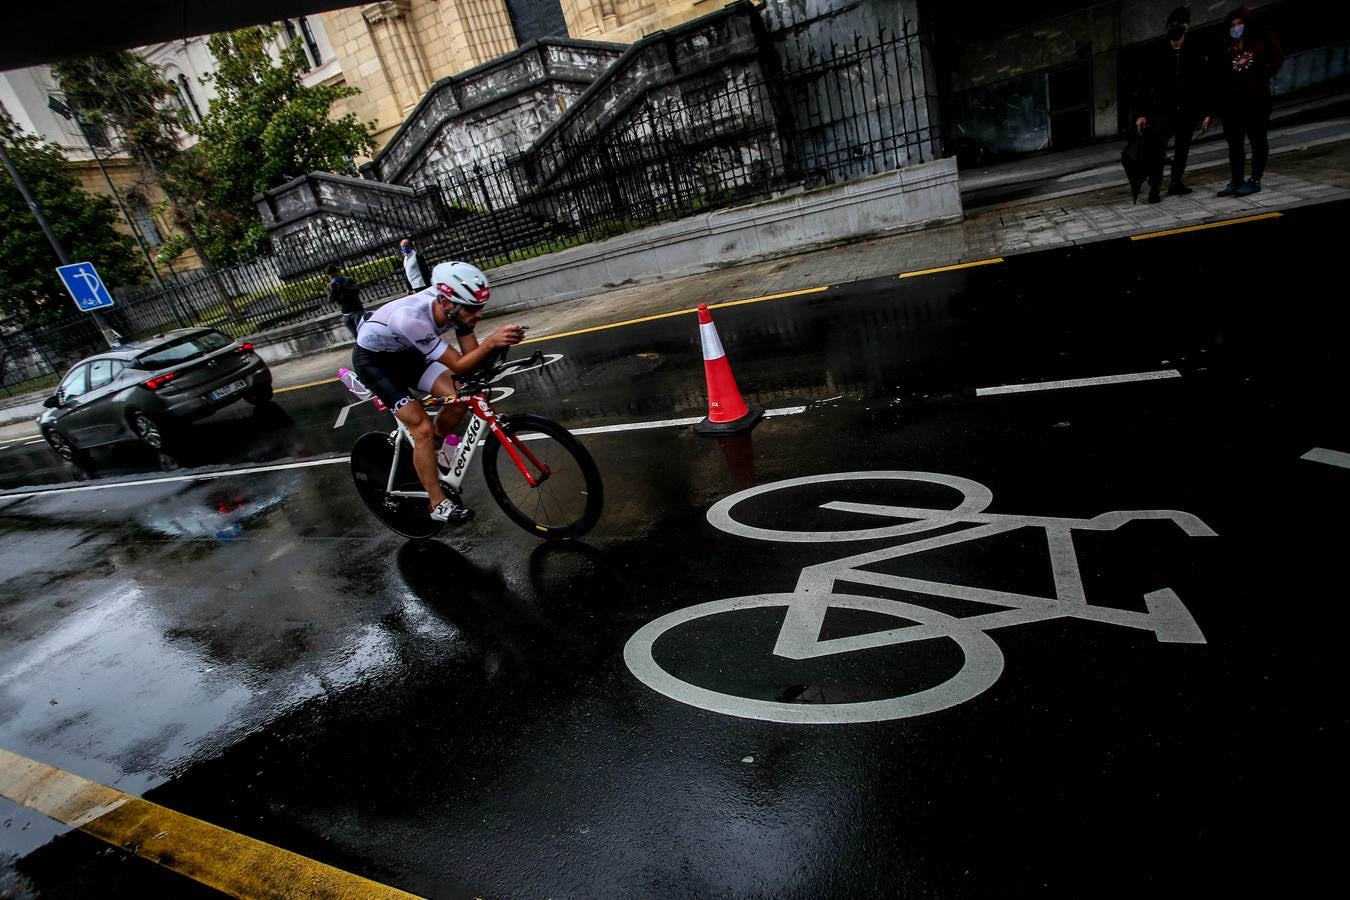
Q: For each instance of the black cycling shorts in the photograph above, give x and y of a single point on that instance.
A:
(392, 375)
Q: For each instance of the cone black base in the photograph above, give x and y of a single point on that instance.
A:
(754, 412)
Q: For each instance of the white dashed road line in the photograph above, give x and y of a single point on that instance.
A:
(1076, 382)
(1330, 457)
(342, 460)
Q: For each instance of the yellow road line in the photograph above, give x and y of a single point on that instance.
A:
(982, 262)
(225, 860)
(678, 312)
(310, 384)
(1157, 234)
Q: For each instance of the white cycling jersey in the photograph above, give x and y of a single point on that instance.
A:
(404, 324)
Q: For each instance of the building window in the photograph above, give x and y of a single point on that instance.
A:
(533, 19)
(310, 43)
(306, 35)
(186, 101)
(145, 223)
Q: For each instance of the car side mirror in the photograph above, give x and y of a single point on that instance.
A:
(52, 402)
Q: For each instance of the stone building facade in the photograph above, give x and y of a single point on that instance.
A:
(627, 21)
(395, 50)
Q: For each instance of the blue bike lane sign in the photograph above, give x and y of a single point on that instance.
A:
(82, 281)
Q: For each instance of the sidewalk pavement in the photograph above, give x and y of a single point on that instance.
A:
(1035, 204)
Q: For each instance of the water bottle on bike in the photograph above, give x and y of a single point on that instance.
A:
(353, 384)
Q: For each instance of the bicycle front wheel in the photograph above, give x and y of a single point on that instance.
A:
(372, 458)
(567, 498)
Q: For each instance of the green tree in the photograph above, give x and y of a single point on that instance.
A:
(266, 127)
(82, 222)
(122, 90)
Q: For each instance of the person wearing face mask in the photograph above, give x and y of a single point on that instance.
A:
(415, 269)
(1172, 100)
(1250, 58)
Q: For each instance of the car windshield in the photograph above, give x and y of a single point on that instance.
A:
(189, 347)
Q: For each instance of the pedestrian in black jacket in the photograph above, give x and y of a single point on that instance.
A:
(342, 290)
(1247, 65)
(1175, 96)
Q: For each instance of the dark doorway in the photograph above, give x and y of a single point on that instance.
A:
(536, 18)
(1070, 105)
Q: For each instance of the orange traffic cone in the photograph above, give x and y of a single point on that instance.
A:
(727, 412)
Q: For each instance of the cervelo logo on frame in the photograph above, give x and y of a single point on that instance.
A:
(466, 445)
(817, 592)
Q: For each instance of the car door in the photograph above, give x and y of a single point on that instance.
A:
(89, 418)
(69, 396)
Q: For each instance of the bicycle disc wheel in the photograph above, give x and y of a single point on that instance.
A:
(566, 504)
(372, 455)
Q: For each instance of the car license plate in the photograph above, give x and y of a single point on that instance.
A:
(227, 390)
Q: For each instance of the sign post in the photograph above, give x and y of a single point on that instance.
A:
(89, 293)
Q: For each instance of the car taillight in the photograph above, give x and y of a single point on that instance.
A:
(244, 348)
(159, 381)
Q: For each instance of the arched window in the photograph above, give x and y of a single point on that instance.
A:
(186, 101)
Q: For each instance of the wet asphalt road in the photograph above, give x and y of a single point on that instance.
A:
(458, 718)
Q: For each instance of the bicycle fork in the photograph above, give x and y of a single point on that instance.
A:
(518, 448)
(510, 441)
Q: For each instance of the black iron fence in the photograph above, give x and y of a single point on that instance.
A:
(859, 108)
(34, 359)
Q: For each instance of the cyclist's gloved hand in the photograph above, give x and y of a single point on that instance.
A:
(507, 335)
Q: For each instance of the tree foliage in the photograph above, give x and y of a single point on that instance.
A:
(267, 127)
(264, 128)
(125, 93)
(29, 286)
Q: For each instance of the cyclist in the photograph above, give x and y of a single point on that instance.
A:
(399, 348)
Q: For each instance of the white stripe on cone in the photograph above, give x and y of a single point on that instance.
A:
(712, 344)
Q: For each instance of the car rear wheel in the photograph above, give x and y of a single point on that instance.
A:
(146, 431)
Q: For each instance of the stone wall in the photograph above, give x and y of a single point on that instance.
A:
(684, 75)
(630, 20)
(395, 49)
(321, 218)
(491, 111)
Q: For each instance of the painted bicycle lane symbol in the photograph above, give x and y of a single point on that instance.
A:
(818, 590)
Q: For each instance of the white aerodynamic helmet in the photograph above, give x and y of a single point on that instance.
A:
(461, 283)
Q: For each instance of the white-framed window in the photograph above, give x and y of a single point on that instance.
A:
(299, 28)
(187, 101)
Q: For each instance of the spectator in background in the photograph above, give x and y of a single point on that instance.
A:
(342, 290)
(1173, 98)
(1246, 67)
(415, 269)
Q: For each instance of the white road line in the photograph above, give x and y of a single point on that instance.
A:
(200, 476)
(1076, 382)
(336, 460)
(672, 423)
(1330, 457)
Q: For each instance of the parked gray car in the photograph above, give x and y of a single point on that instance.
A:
(138, 390)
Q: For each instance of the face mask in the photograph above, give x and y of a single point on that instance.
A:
(1175, 33)
(405, 250)
(1236, 31)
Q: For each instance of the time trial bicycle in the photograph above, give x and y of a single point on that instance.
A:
(537, 472)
